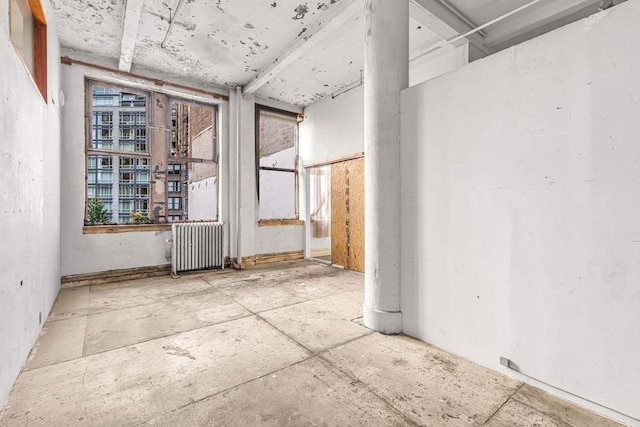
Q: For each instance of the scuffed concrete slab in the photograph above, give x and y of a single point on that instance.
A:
(430, 385)
(320, 324)
(268, 290)
(309, 393)
(136, 383)
(357, 295)
(242, 369)
(116, 296)
(560, 409)
(114, 329)
(70, 303)
(516, 414)
(59, 341)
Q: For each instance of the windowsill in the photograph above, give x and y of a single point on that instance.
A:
(279, 222)
(134, 228)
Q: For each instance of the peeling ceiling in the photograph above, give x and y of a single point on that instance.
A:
(90, 26)
(229, 42)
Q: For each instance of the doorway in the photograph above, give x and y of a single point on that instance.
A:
(336, 212)
(320, 212)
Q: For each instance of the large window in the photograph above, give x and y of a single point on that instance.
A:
(28, 33)
(277, 161)
(126, 150)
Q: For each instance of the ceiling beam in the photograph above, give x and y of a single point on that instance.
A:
(339, 14)
(130, 27)
(535, 18)
(443, 12)
(430, 21)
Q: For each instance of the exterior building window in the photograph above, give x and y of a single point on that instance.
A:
(28, 34)
(175, 203)
(120, 152)
(277, 162)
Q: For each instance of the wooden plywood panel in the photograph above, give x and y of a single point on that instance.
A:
(338, 215)
(356, 214)
(347, 214)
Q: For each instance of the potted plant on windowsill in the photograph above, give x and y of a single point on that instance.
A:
(140, 218)
(96, 213)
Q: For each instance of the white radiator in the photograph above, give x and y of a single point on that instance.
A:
(196, 246)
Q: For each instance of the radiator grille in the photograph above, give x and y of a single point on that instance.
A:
(196, 246)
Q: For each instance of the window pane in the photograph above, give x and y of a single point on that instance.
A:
(320, 198)
(277, 195)
(22, 28)
(129, 193)
(104, 177)
(192, 131)
(129, 110)
(202, 192)
(277, 138)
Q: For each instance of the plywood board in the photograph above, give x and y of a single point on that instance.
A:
(356, 218)
(339, 215)
(347, 214)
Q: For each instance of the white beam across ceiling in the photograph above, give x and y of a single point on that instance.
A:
(339, 14)
(130, 27)
(535, 18)
(430, 21)
(444, 13)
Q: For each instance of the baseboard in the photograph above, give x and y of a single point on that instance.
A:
(270, 258)
(87, 279)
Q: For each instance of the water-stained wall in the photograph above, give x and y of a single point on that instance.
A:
(30, 200)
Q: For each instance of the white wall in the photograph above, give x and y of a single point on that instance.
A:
(332, 128)
(30, 200)
(438, 62)
(520, 208)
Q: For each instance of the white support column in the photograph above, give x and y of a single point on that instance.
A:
(386, 73)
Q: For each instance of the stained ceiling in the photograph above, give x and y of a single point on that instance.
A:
(230, 42)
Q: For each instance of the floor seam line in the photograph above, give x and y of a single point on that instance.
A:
(257, 314)
(311, 356)
(305, 349)
(504, 403)
(354, 377)
(164, 299)
(514, 399)
(205, 281)
(142, 342)
(308, 300)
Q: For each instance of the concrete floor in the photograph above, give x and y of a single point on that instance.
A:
(275, 345)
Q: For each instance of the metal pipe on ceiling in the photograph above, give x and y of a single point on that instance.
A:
(475, 30)
(172, 20)
(460, 15)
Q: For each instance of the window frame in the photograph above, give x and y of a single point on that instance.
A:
(295, 220)
(38, 71)
(137, 157)
(184, 162)
(120, 155)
